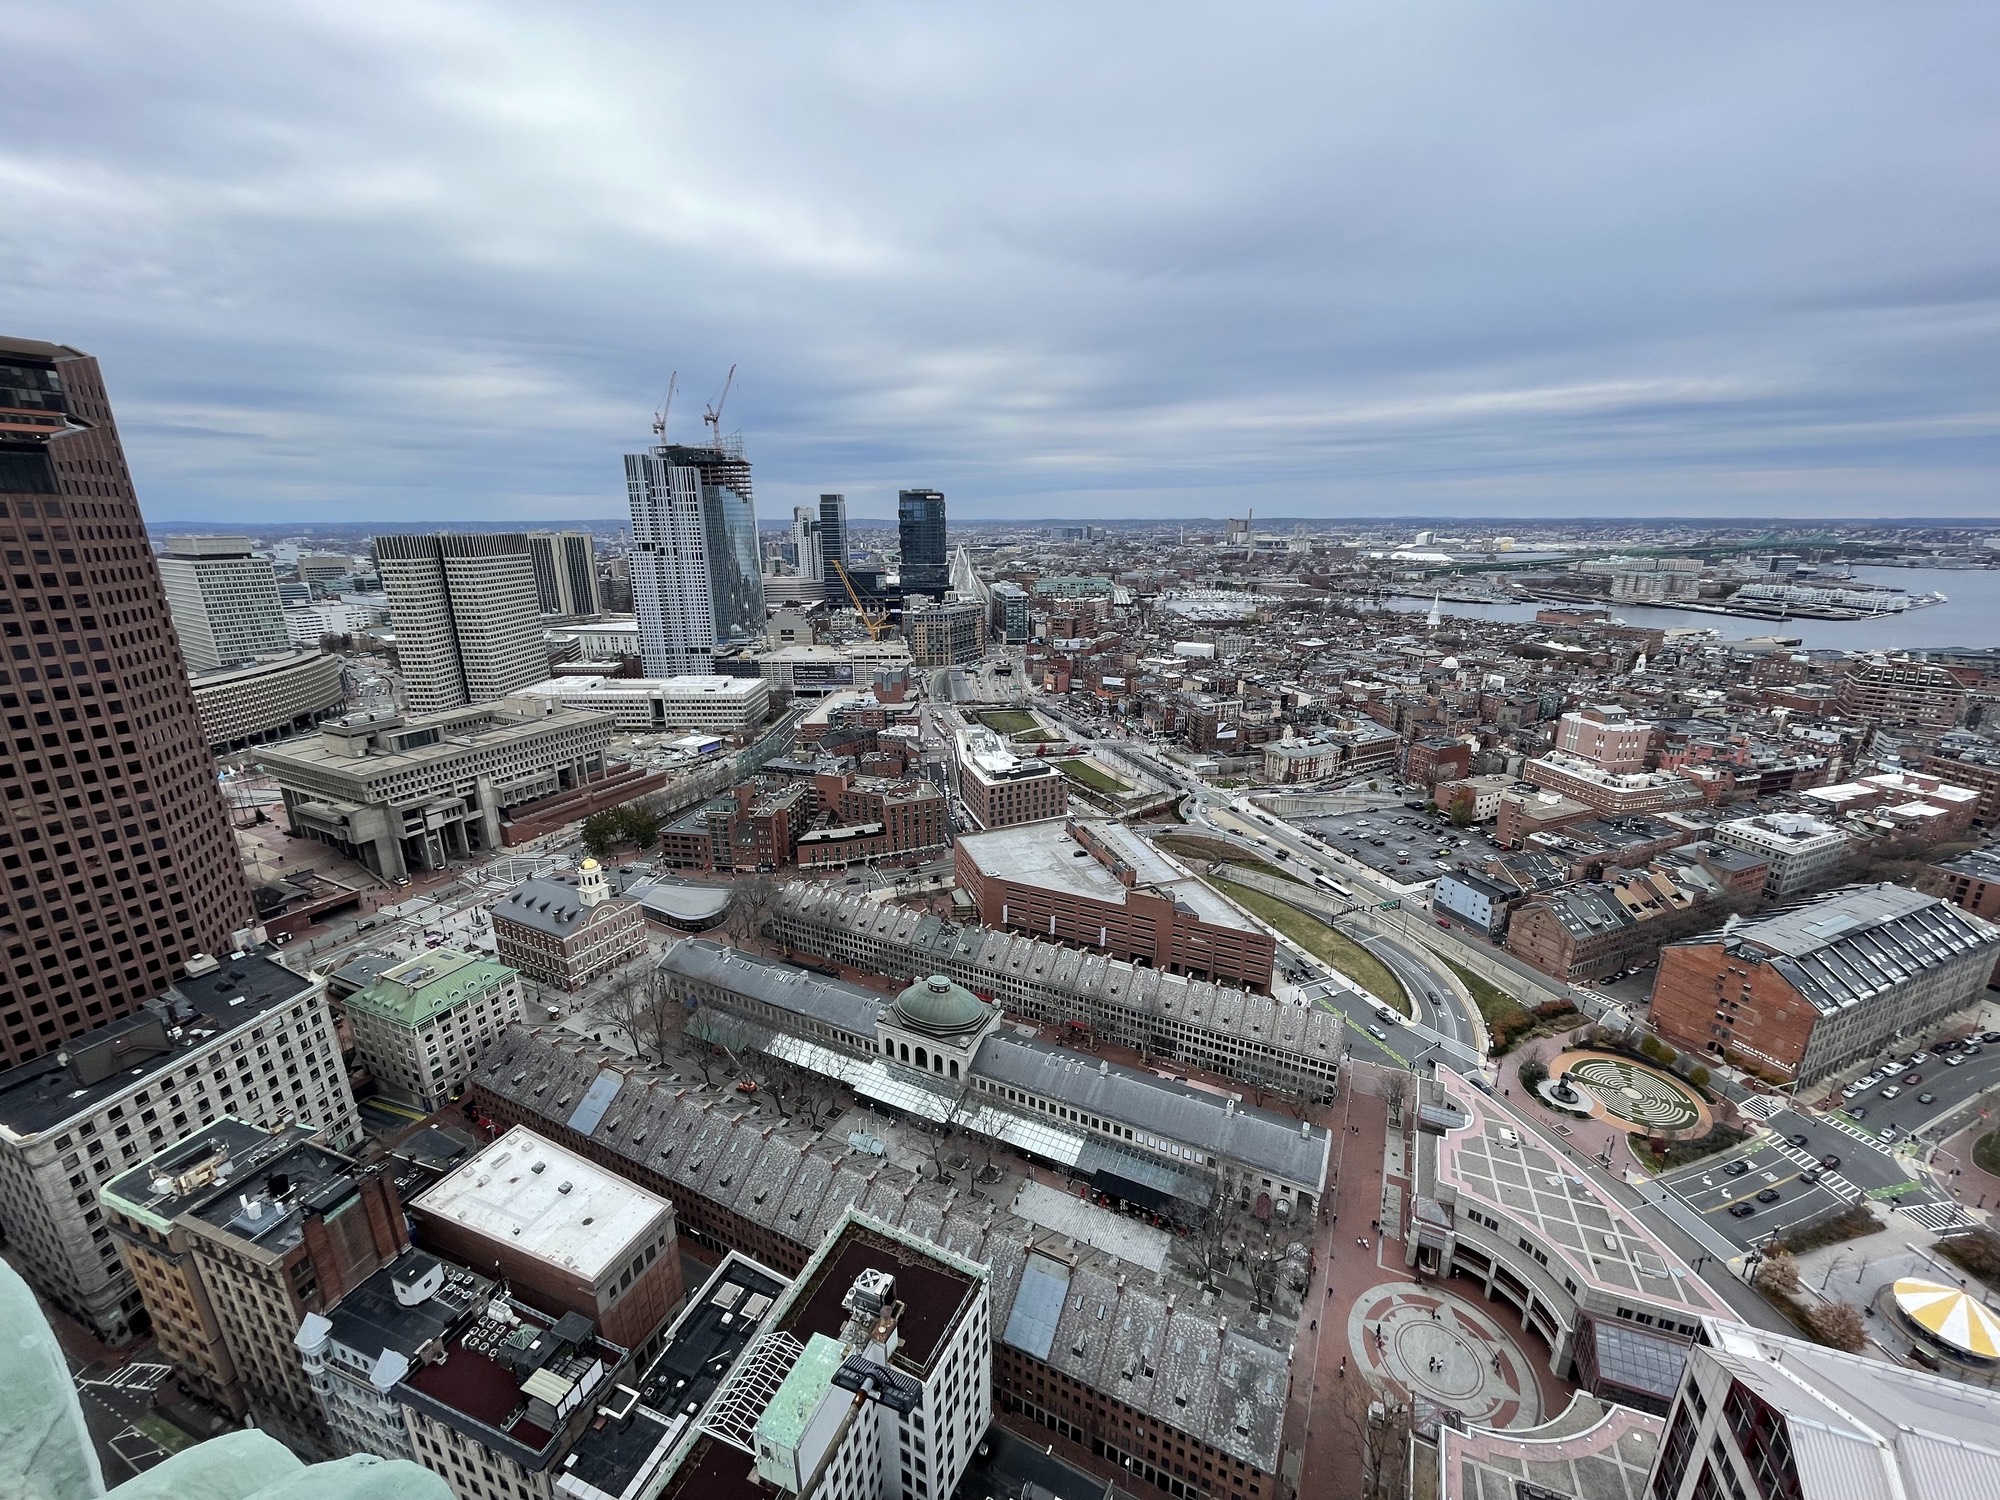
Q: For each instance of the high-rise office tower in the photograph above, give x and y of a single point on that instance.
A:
(833, 545)
(110, 812)
(224, 598)
(920, 529)
(805, 542)
(696, 583)
(565, 572)
(466, 615)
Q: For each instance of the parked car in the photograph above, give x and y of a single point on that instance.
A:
(1989, 1036)
(1972, 1051)
(1956, 1060)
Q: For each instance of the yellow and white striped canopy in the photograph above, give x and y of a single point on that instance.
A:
(1953, 1315)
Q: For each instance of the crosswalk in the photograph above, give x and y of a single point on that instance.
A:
(1760, 1107)
(1938, 1216)
(1833, 1182)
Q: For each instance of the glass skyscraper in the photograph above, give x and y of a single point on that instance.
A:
(920, 530)
(696, 583)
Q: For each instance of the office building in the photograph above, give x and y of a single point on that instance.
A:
(272, 698)
(466, 614)
(1800, 853)
(563, 933)
(264, 1227)
(809, 558)
(402, 794)
(121, 861)
(1761, 1413)
(357, 1352)
(247, 1037)
(224, 600)
(1810, 990)
(563, 1233)
(565, 572)
(1607, 736)
(733, 706)
(833, 548)
(920, 533)
(1232, 1031)
(420, 1026)
(696, 582)
(945, 634)
(1099, 885)
(998, 788)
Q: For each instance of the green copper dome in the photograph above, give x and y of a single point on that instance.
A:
(941, 1008)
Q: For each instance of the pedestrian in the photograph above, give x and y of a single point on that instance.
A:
(1343, 1367)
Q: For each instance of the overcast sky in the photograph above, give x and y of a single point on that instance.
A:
(418, 260)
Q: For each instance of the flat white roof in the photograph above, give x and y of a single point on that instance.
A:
(546, 1202)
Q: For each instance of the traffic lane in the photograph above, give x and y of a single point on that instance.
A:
(1867, 1164)
(1431, 1009)
(1709, 1189)
(1950, 1088)
(1359, 1015)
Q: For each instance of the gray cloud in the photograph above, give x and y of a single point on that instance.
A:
(434, 259)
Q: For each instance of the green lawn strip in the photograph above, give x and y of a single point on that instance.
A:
(1085, 774)
(1195, 846)
(1009, 721)
(1986, 1152)
(1494, 1003)
(1313, 935)
(163, 1432)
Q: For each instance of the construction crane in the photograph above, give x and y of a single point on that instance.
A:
(660, 416)
(713, 416)
(877, 625)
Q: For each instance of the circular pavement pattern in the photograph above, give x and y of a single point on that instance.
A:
(1631, 1096)
(1444, 1349)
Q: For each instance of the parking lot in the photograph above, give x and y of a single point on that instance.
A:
(1399, 843)
(1716, 1186)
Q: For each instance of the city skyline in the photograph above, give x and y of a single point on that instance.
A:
(1572, 263)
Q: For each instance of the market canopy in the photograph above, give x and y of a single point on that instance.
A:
(1953, 1315)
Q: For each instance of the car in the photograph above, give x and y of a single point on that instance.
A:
(1809, 1176)
(1829, 1161)
(1927, 1098)
(1940, 1048)
(1769, 1195)
(1740, 1210)
(1972, 1051)
(1913, 1078)
(1797, 1138)
(1956, 1060)
(1989, 1036)
(1856, 1087)
(1887, 1133)
(1859, 1112)
(1378, 1033)
(1737, 1168)
(1891, 1092)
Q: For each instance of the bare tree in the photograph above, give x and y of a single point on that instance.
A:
(945, 1135)
(644, 1005)
(1839, 1324)
(753, 901)
(1374, 1415)
(1779, 1274)
(1397, 1092)
(720, 1040)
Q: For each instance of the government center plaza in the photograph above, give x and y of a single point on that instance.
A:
(931, 1115)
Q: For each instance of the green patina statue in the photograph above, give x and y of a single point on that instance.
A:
(46, 1453)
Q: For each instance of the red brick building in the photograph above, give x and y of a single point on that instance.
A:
(1433, 759)
(1100, 886)
(564, 933)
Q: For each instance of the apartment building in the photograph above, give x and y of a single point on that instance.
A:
(1099, 885)
(565, 564)
(563, 933)
(1611, 794)
(1217, 1026)
(1607, 736)
(245, 1037)
(414, 793)
(1810, 990)
(947, 634)
(262, 1231)
(999, 788)
(420, 1026)
(1799, 853)
(1896, 690)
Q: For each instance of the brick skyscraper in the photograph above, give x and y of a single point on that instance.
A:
(117, 861)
